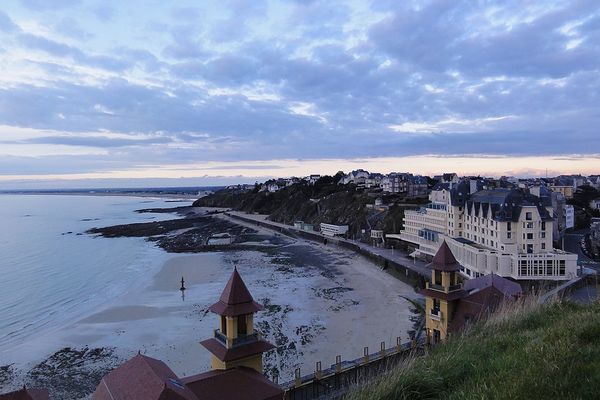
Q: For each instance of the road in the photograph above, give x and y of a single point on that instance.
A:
(573, 245)
(397, 256)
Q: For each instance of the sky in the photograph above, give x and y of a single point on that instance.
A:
(97, 93)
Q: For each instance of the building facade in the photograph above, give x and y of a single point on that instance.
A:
(508, 232)
(450, 304)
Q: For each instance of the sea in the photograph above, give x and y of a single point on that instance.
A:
(52, 272)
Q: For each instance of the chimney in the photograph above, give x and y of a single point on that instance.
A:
(472, 186)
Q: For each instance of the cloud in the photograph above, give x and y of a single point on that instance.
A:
(44, 5)
(97, 141)
(6, 23)
(252, 81)
(59, 49)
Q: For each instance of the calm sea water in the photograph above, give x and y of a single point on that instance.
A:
(52, 273)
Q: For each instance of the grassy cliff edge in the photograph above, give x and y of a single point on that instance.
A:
(526, 351)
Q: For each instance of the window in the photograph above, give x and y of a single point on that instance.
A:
(543, 225)
(436, 307)
(508, 226)
(543, 235)
(508, 235)
(223, 325)
(530, 225)
(530, 248)
(528, 216)
(530, 236)
(241, 325)
(543, 246)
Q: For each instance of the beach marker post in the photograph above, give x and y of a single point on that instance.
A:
(382, 349)
(297, 377)
(318, 371)
(398, 344)
(338, 364)
(366, 355)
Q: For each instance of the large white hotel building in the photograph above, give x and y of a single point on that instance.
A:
(507, 232)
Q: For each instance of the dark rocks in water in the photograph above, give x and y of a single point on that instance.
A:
(6, 375)
(73, 373)
(184, 210)
(146, 229)
(183, 234)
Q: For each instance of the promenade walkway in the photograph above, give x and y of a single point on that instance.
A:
(393, 256)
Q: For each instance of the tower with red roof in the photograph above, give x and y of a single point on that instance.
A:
(236, 343)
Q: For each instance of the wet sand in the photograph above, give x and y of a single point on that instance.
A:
(320, 301)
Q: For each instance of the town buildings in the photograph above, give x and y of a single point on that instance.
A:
(404, 183)
(508, 232)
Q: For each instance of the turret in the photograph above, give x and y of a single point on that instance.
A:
(236, 342)
(442, 294)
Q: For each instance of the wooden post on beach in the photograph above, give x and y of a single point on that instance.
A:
(338, 364)
(382, 349)
(297, 377)
(398, 344)
(318, 371)
(366, 355)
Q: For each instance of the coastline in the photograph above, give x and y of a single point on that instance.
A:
(320, 302)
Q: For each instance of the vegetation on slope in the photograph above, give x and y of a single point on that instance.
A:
(325, 201)
(581, 201)
(527, 352)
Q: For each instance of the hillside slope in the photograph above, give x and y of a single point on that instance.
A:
(325, 201)
(536, 352)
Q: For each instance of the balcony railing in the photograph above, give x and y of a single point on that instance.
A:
(435, 287)
(440, 288)
(452, 288)
(238, 341)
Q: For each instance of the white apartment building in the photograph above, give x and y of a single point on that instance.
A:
(503, 231)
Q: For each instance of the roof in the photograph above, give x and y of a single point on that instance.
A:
(230, 384)
(26, 394)
(235, 299)
(235, 353)
(142, 378)
(506, 204)
(444, 259)
(482, 296)
(507, 287)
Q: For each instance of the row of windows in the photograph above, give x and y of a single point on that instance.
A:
(546, 271)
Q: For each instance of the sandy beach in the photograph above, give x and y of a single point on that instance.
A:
(320, 302)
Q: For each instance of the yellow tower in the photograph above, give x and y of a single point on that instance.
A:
(442, 294)
(236, 343)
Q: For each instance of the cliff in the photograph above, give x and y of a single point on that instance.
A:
(325, 201)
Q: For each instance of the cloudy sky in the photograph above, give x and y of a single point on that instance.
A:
(97, 92)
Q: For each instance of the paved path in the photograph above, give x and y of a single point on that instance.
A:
(393, 255)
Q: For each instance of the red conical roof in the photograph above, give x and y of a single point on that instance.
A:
(235, 299)
(444, 259)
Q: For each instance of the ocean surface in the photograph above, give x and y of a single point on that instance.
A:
(53, 273)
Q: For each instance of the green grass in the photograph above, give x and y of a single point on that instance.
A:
(525, 351)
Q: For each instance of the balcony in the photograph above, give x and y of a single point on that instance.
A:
(440, 288)
(452, 288)
(238, 341)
